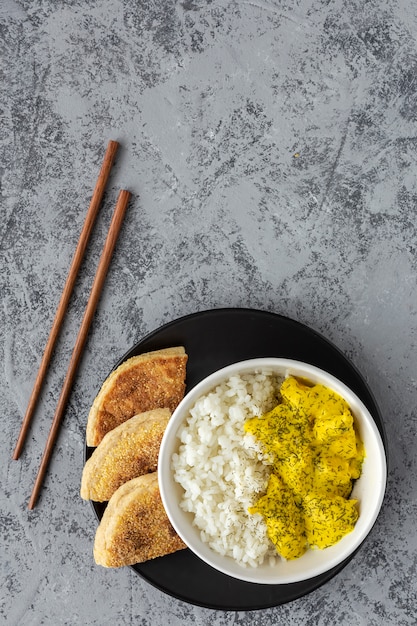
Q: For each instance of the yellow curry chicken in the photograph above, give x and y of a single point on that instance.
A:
(315, 452)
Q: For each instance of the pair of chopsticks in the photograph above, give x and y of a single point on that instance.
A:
(116, 222)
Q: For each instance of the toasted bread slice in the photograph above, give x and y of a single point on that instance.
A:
(134, 527)
(129, 450)
(154, 380)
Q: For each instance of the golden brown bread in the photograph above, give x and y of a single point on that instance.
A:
(153, 380)
(129, 450)
(134, 527)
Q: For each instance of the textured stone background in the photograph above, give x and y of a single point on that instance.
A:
(271, 147)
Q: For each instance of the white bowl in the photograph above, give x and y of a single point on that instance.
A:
(369, 489)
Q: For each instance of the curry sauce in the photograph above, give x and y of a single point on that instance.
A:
(315, 452)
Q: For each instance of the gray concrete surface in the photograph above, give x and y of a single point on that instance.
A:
(271, 148)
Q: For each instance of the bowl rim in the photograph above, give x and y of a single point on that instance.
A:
(168, 485)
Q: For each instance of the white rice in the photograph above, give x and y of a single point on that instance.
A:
(220, 467)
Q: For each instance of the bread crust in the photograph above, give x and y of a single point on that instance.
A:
(134, 527)
(148, 381)
(129, 450)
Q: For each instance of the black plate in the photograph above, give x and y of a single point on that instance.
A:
(214, 339)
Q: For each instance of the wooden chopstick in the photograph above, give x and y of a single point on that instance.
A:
(96, 199)
(122, 202)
